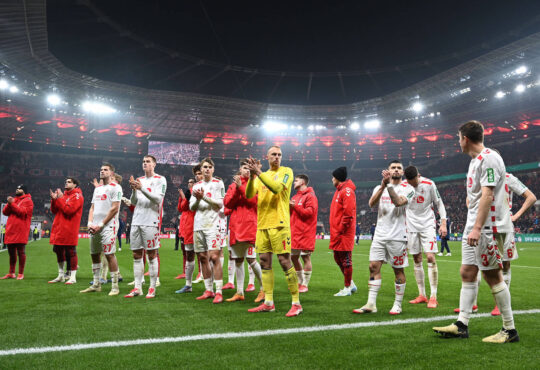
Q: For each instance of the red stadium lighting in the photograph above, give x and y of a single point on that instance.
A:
(227, 141)
(5, 115)
(104, 130)
(523, 125)
(122, 132)
(413, 139)
(208, 140)
(83, 128)
(140, 134)
(64, 125)
(504, 129)
(244, 142)
(431, 137)
(42, 122)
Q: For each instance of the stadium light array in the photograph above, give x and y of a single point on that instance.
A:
(273, 126)
(520, 88)
(372, 124)
(3, 84)
(354, 126)
(97, 108)
(417, 107)
(521, 70)
(53, 99)
(500, 94)
(13, 89)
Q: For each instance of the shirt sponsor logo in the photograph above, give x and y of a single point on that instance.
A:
(103, 196)
(420, 199)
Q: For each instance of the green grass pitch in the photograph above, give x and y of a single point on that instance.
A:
(36, 314)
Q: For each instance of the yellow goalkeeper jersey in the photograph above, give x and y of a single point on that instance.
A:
(273, 209)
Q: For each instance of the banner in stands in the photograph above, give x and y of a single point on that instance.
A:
(528, 238)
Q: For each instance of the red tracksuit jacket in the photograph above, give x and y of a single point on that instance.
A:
(68, 211)
(343, 217)
(186, 221)
(304, 220)
(19, 216)
(243, 220)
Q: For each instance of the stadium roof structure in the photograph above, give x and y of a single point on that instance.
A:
(432, 107)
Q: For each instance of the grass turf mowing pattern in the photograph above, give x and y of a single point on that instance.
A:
(38, 314)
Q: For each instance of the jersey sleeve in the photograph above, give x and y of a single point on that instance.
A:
(515, 185)
(407, 192)
(438, 200)
(490, 169)
(116, 193)
(162, 187)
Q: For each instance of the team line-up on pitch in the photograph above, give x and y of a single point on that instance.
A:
(264, 221)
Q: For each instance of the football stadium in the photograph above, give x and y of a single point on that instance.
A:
(269, 185)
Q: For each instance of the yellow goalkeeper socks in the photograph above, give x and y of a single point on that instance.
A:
(292, 282)
(268, 286)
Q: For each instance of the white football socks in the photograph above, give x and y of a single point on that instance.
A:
(240, 273)
(190, 268)
(433, 276)
(231, 269)
(374, 287)
(257, 272)
(96, 271)
(507, 277)
(251, 275)
(138, 272)
(467, 297)
(300, 274)
(153, 270)
(307, 277)
(400, 291)
(501, 293)
(420, 278)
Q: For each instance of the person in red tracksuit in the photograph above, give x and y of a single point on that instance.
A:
(186, 219)
(19, 211)
(304, 207)
(243, 231)
(67, 208)
(343, 227)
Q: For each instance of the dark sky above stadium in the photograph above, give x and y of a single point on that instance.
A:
(292, 52)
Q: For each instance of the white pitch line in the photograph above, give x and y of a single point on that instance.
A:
(231, 335)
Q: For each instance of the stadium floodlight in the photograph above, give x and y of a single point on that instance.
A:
(354, 126)
(520, 88)
(273, 126)
(3, 84)
(13, 89)
(372, 124)
(97, 108)
(521, 70)
(53, 99)
(417, 107)
(500, 94)
(311, 127)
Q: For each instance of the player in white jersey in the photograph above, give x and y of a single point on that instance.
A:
(102, 226)
(147, 196)
(488, 225)
(389, 244)
(509, 253)
(421, 235)
(207, 200)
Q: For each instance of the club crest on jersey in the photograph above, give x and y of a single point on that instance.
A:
(149, 190)
(103, 196)
(420, 199)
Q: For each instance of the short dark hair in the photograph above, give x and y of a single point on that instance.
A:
(473, 130)
(394, 161)
(411, 172)
(207, 160)
(196, 168)
(74, 180)
(151, 156)
(303, 177)
(107, 164)
(244, 161)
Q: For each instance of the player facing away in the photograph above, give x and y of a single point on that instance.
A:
(390, 241)
(487, 227)
(343, 227)
(67, 208)
(273, 190)
(304, 209)
(206, 200)
(421, 235)
(243, 231)
(147, 194)
(102, 226)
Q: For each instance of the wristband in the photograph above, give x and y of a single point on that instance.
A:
(100, 224)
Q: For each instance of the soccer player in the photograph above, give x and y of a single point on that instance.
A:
(67, 208)
(421, 235)
(390, 240)
(206, 200)
(102, 224)
(513, 185)
(186, 228)
(19, 211)
(343, 227)
(243, 230)
(304, 209)
(273, 189)
(488, 222)
(147, 196)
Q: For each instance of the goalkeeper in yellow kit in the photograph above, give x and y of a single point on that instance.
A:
(273, 188)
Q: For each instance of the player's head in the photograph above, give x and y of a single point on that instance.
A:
(106, 171)
(190, 183)
(117, 178)
(149, 163)
(21, 190)
(207, 168)
(274, 157)
(244, 168)
(412, 175)
(396, 169)
(339, 175)
(197, 172)
(300, 182)
(71, 183)
(470, 134)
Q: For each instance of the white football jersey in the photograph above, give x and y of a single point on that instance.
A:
(420, 213)
(513, 185)
(148, 213)
(103, 198)
(391, 219)
(488, 169)
(206, 217)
